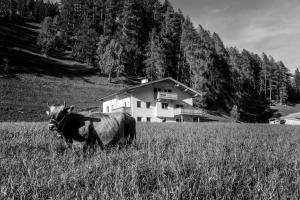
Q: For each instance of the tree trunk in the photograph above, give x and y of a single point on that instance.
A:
(266, 83)
(270, 87)
(109, 77)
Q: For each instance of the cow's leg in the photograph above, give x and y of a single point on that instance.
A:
(69, 142)
(132, 131)
(93, 138)
(122, 134)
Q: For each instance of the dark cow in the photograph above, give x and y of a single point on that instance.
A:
(93, 128)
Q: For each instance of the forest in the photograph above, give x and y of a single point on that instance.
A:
(149, 38)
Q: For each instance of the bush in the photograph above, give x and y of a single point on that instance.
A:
(235, 113)
(47, 39)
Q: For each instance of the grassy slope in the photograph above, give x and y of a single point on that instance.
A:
(284, 110)
(190, 161)
(36, 79)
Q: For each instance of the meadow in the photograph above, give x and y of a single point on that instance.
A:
(168, 161)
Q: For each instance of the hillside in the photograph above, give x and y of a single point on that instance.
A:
(284, 110)
(34, 79)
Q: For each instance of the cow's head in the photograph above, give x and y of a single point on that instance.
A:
(57, 115)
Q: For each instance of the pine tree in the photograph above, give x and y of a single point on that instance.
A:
(4, 8)
(188, 44)
(265, 71)
(283, 84)
(86, 43)
(170, 34)
(109, 23)
(155, 58)
(131, 37)
(297, 80)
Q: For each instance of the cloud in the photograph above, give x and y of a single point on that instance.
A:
(269, 26)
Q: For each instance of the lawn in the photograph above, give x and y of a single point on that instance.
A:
(168, 161)
(25, 97)
(284, 110)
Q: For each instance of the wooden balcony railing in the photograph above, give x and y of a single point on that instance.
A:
(167, 95)
(189, 111)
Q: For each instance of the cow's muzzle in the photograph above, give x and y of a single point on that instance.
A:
(59, 136)
(52, 127)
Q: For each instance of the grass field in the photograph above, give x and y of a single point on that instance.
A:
(168, 161)
(34, 79)
(25, 98)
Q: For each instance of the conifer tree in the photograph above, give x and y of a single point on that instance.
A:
(86, 43)
(170, 35)
(131, 37)
(297, 80)
(155, 58)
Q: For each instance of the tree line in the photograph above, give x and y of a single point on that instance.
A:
(151, 39)
(34, 9)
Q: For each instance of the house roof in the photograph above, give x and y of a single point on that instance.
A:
(182, 86)
(291, 116)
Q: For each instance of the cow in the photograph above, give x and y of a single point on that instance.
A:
(92, 128)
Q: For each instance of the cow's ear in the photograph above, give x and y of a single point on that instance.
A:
(70, 109)
(47, 113)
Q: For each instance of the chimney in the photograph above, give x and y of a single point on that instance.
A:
(144, 81)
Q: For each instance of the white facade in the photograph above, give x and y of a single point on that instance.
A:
(292, 121)
(161, 101)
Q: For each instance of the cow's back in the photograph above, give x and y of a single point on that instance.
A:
(111, 128)
(108, 127)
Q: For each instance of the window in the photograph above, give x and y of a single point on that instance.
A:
(112, 108)
(138, 104)
(139, 119)
(178, 120)
(159, 90)
(196, 119)
(169, 91)
(148, 119)
(179, 106)
(165, 90)
(107, 109)
(164, 120)
(125, 104)
(147, 104)
(164, 105)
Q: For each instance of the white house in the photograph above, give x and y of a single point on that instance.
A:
(164, 100)
(291, 119)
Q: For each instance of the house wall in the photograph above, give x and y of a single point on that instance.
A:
(108, 103)
(123, 102)
(292, 121)
(155, 112)
(116, 103)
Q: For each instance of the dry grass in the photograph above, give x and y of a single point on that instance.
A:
(168, 161)
(25, 97)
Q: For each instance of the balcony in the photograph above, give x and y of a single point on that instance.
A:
(189, 111)
(122, 109)
(167, 96)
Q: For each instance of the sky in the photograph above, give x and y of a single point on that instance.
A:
(270, 26)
